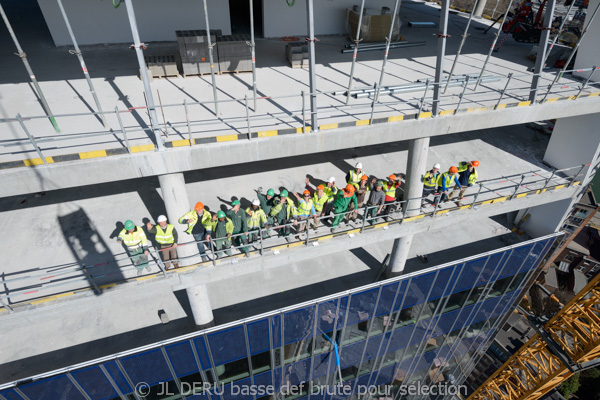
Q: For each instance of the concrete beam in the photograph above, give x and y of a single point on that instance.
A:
(80, 173)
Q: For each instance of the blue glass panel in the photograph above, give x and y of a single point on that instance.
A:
(386, 298)
(372, 347)
(535, 257)
(418, 289)
(276, 329)
(201, 396)
(385, 375)
(515, 261)
(10, 394)
(182, 358)
(400, 338)
(298, 372)
(227, 345)
(149, 367)
(298, 325)
(117, 376)
(263, 379)
(351, 354)
(95, 384)
(239, 391)
(202, 352)
(443, 283)
(362, 306)
(326, 316)
(321, 363)
(342, 315)
(492, 268)
(278, 379)
(59, 387)
(258, 335)
(470, 274)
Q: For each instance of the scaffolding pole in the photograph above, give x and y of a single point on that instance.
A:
(387, 49)
(356, 42)
(462, 43)
(23, 57)
(144, 72)
(77, 52)
(311, 66)
(439, 63)
(210, 59)
(541, 55)
(560, 30)
(253, 50)
(493, 45)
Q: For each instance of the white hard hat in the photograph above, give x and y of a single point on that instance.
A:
(358, 165)
(438, 166)
(256, 202)
(331, 179)
(161, 218)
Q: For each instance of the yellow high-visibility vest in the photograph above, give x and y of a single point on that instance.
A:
(166, 236)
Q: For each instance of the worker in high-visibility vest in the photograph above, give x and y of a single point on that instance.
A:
(430, 182)
(240, 227)
(330, 191)
(445, 182)
(283, 213)
(319, 198)
(200, 231)
(306, 210)
(376, 201)
(467, 176)
(256, 220)
(166, 236)
(223, 229)
(361, 195)
(354, 175)
(135, 240)
(343, 199)
(389, 189)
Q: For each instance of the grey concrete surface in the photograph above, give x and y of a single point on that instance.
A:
(114, 70)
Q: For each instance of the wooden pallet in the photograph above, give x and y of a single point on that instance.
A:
(235, 72)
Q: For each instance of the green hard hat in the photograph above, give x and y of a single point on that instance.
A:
(379, 183)
(270, 192)
(220, 214)
(235, 203)
(129, 225)
(284, 193)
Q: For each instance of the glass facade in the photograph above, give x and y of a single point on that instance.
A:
(420, 328)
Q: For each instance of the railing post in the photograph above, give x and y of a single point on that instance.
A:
(518, 187)
(548, 181)
(31, 138)
(503, 90)
(373, 106)
(160, 264)
(261, 240)
(307, 230)
(549, 89)
(585, 83)
(576, 175)
(248, 116)
(303, 112)
(91, 279)
(365, 216)
(423, 99)
(462, 95)
(122, 129)
(213, 251)
(437, 202)
(477, 195)
(5, 305)
(187, 120)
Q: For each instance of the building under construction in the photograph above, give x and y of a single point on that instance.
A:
(127, 110)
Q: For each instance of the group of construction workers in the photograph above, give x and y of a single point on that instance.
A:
(275, 214)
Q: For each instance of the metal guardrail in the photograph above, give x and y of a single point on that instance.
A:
(504, 188)
(247, 120)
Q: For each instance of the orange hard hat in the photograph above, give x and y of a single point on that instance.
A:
(320, 187)
(475, 163)
(364, 178)
(453, 169)
(199, 206)
(392, 177)
(349, 188)
(306, 192)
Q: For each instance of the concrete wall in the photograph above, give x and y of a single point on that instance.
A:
(330, 16)
(588, 54)
(99, 22)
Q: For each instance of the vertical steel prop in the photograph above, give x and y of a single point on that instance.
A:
(311, 66)
(356, 42)
(210, 59)
(253, 52)
(387, 48)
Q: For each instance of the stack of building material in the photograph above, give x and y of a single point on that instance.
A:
(161, 66)
(234, 53)
(297, 54)
(193, 48)
(374, 28)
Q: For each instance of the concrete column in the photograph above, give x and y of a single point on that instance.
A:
(200, 304)
(479, 9)
(416, 166)
(588, 53)
(574, 143)
(177, 204)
